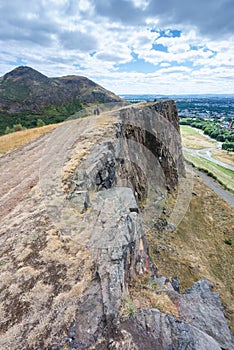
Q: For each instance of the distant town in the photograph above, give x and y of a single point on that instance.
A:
(216, 108)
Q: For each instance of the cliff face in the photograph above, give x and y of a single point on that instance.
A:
(140, 163)
(102, 185)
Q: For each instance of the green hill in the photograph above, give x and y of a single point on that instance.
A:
(26, 95)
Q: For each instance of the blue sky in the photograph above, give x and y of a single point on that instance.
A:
(127, 46)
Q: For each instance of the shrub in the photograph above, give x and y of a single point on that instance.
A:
(228, 146)
(40, 123)
(8, 130)
(17, 127)
(128, 309)
(228, 241)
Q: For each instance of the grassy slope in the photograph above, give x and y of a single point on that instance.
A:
(197, 248)
(194, 139)
(20, 138)
(223, 156)
(224, 176)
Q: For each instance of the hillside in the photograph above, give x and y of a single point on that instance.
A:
(27, 95)
(87, 259)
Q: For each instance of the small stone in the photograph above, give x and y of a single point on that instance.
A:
(175, 284)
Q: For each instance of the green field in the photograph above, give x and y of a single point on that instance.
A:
(224, 176)
(194, 139)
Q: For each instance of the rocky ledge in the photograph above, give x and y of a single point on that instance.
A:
(141, 161)
(89, 249)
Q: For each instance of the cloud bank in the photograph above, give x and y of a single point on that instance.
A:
(128, 46)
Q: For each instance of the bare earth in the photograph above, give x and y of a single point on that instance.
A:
(21, 168)
(19, 173)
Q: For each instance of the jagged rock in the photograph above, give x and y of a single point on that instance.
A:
(106, 176)
(119, 247)
(202, 327)
(154, 330)
(80, 201)
(201, 308)
(158, 133)
(98, 169)
(175, 284)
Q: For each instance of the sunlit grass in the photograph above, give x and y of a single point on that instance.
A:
(223, 175)
(223, 156)
(16, 139)
(194, 138)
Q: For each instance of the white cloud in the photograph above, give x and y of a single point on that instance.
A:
(142, 4)
(92, 38)
(164, 64)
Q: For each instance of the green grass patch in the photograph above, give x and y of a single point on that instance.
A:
(224, 176)
(188, 130)
(128, 309)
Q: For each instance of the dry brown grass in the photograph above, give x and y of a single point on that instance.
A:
(194, 138)
(98, 128)
(223, 156)
(20, 138)
(197, 248)
(144, 293)
(143, 298)
(42, 282)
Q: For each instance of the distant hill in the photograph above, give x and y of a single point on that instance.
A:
(26, 95)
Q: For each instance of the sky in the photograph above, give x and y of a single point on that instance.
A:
(127, 46)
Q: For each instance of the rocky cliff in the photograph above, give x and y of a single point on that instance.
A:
(76, 248)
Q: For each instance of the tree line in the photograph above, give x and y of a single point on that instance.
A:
(50, 115)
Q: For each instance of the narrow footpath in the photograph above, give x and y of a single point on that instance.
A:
(221, 192)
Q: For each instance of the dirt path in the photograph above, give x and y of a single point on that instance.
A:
(19, 172)
(42, 162)
(206, 153)
(21, 169)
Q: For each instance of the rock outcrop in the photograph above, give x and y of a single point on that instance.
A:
(100, 199)
(142, 160)
(201, 324)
